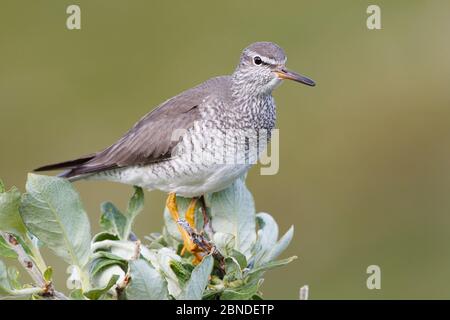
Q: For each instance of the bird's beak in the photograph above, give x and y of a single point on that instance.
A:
(283, 73)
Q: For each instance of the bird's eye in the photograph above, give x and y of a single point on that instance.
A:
(257, 60)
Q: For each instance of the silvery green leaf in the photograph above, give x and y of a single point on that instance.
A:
(267, 230)
(136, 203)
(245, 292)
(112, 220)
(135, 206)
(162, 260)
(99, 264)
(256, 273)
(127, 250)
(104, 236)
(13, 277)
(196, 285)
(233, 270)
(233, 211)
(97, 293)
(146, 283)
(107, 255)
(281, 245)
(267, 236)
(168, 239)
(10, 219)
(240, 259)
(77, 294)
(2, 186)
(103, 278)
(267, 248)
(5, 249)
(180, 271)
(5, 287)
(10, 286)
(48, 274)
(52, 211)
(156, 240)
(74, 281)
(224, 242)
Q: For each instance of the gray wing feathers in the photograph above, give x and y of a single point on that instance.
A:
(151, 139)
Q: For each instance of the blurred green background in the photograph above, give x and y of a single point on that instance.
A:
(364, 165)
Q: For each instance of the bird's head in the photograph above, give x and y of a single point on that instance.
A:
(262, 68)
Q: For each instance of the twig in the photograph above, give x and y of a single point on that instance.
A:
(304, 292)
(47, 287)
(120, 287)
(24, 260)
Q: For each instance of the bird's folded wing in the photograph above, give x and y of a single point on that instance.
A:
(151, 139)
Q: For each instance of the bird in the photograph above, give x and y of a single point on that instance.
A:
(178, 147)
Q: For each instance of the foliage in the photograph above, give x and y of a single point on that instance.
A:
(115, 264)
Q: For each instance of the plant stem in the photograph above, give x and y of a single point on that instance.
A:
(36, 254)
(45, 289)
(24, 260)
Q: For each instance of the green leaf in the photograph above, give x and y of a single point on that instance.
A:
(210, 295)
(2, 186)
(13, 277)
(112, 220)
(77, 294)
(102, 278)
(232, 269)
(5, 249)
(267, 237)
(101, 263)
(256, 273)
(109, 255)
(246, 292)
(179, 270)
(281, 245)
(233, 211)
(162, 260)
(115, 222)
(146, 283)
(268, 230)
(48, 273)
(5, 288)
(257, 297)
(52, 211)
(97, 293)
(267, 248)
(135, 206)
(10, 219)
(224, 242)
(196, 285)
(136, 203)
(104, 236)
(240, 258)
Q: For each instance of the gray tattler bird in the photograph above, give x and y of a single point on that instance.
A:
(178, 147)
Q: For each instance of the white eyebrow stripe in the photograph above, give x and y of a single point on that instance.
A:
(264, 59)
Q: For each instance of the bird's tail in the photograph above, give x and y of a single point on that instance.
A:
(69, 165)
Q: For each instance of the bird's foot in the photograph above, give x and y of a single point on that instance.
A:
(186, 228)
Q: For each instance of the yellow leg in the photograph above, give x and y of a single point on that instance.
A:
(190, 213)
(189, 245)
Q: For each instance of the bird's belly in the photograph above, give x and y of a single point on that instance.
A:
(212, 179)
(187, 181)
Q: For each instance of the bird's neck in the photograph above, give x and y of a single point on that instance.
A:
(251, 107)
(243, 86)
